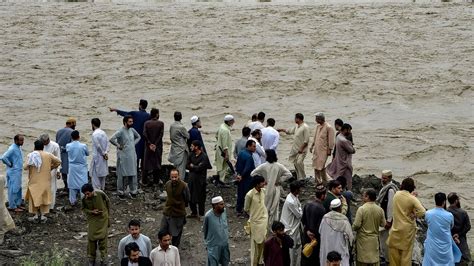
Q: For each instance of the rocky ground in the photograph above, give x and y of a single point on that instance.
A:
(66, 230)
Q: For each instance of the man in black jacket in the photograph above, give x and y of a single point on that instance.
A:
(133, 256)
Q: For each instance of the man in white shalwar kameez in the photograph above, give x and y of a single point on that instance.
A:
(258, 156)
(100, 149)
(291, 215)
(336, 233)
(274, 173)
(53, 148)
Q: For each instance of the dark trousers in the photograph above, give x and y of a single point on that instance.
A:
(92, 249)
(146, 177)
(64, 176)
(194, 207)
(243, 187)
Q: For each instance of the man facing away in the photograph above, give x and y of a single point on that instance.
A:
(153, 134)
(313, 214)
(440, 248)
(299, 149)
(275, 174)
(385, 200)
(406, 208)
(291, 215)
(165, 253)
(244, 167)
(194, 133)
(369, 218)
(174, 212)
(258, 124)
(139, 118)
(53, 148)
(39, 165)
(133, 258)
(179, 151)
(96, 207)
(143, 242)
(323, 143)
(63, 137)
(100, 149)
(240, 143)
(341, 165)
(216, 234)
(462, 225)
(125, 140)
(223, 147)
(77, 155)
(198, 164)
(336, 233)
(258, 221)
(13, 159)
(270, 136)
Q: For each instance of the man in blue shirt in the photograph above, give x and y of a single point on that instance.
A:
(77, 177)
(195, 134)
(13, 159)
(244, 166)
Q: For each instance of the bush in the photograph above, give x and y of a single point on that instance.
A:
(54, 257)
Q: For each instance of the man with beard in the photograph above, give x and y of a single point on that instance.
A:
(134, 237)
(139, 118)
(277, 248)
(313, 213)
(125, 140)
(133, 258)
(341, 165)
(335, 192)
(198, 164)
(216, 234)
(13, 159)
(336, 233)
(179, 150)
(63, 137)
(100, 148)
(323, 143)
(462, 225)
(194, 133)
(153, 134)
(174, 212)
(385, 200)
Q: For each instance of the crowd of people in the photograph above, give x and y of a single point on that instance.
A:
(320, 232)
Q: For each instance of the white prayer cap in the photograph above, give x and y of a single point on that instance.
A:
(319, 114)
(194, 119)
(387, 173)
(228, 118)
(217, 199)
(335, 203)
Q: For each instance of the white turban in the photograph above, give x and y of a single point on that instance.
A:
(217, 199)
(194, 119)
(228, 118)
